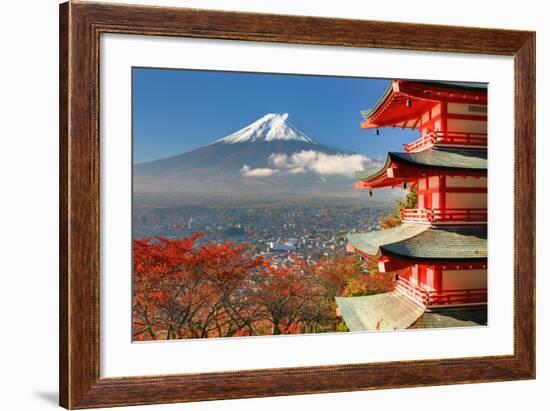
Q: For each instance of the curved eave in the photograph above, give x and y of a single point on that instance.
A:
(423, 243)
(420, 93)
(370, 243)
(400, 256)
(366, 114)
(444, 159)
(414, 164)
(370, 176)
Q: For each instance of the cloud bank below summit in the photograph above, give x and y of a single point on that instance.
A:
(312, 161)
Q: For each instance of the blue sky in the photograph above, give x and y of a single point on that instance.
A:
(175, 111)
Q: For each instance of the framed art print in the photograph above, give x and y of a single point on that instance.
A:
(256, 205)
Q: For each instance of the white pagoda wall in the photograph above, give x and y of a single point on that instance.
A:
(466, 199)
(464, 279)
(466, 182)
(468, 109)
(467, 126)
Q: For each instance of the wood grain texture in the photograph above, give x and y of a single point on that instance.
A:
(63, 204)
(80, 27)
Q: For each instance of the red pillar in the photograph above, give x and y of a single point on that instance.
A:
(438, 277)
(442, 191)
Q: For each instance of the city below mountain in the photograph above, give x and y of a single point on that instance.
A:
(268, 160)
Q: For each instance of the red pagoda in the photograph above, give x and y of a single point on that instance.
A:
(439, 251)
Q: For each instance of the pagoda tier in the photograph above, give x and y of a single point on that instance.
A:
(420, 243)
(391, 311)
(435, 267)
(439, 252)
(451, 184)
(411, 104)
(409, 167)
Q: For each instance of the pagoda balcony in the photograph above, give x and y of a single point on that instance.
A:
(449, 139)
(444, 215)
(437, 299)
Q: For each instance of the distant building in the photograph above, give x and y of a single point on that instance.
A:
(282, 247)
(439, 252)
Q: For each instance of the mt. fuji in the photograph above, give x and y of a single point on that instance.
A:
(267, 160)
(270, 127)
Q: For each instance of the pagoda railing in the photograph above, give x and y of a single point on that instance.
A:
(432, 298)
(444, 215)
(411, 290)
(449, 138)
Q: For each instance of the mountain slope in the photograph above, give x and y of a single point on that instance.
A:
(271, 127)
(267, 160)
(225, 158)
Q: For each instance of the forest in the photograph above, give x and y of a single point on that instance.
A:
(186, 290)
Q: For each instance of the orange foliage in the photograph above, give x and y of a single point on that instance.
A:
(372, 283)
(389, 221)
(182, 290)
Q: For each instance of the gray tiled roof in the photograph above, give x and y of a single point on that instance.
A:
(452, 317)
(394, 311)
(436, 158)
(423, 242)
(365, 174)
(445, 158)
(387, 311)
(371, 241)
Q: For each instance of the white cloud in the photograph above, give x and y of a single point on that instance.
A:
(278, 160)
(321, 163)
(312, 161)
(297, 170)
(257, 172)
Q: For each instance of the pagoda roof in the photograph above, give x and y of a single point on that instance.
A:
(379, 312)
(370, 242)
(423, 243)
(394, 311)
(392, 108)
(452, 317)
(444, 159)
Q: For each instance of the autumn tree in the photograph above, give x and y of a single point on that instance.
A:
(301, 297)
(185, 291)
(368, 284)
(288, 295)
(166, 293)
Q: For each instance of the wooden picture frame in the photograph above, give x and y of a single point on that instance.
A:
(80, 27)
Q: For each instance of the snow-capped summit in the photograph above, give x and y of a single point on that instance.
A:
(270, 127)
(272, 161)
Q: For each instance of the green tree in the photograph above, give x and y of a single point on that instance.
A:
(410, 201)
(393, 218)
